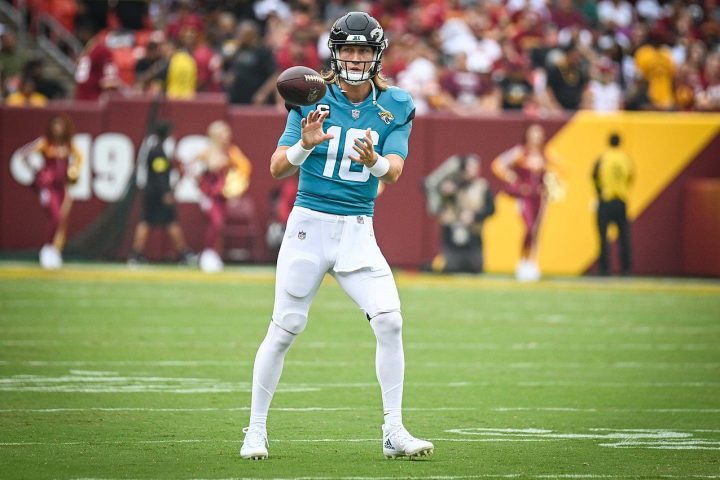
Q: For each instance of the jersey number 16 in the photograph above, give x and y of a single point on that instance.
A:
(345, 173)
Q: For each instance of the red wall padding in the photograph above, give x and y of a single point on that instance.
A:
(407, 235)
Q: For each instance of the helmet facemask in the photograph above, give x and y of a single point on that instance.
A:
(356, 28)
(370, 68)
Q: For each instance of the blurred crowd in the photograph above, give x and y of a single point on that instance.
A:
(468, 57)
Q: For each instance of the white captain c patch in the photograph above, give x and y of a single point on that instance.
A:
(322, 108)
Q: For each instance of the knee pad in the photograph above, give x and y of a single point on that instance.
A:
(291, 322)
(280, 338)
(388, 323)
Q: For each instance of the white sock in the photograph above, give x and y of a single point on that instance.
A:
(266, 373)
(390, 364)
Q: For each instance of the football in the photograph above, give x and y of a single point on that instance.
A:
(301, 86)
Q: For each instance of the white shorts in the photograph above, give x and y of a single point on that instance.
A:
(316, 243)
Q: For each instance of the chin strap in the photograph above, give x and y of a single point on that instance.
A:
(374, 94)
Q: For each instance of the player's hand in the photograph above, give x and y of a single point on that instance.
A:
(365, 151)
(312, 130)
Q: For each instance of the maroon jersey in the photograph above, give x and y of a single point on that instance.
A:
(56, 173)
(530, 171)
(95, 67)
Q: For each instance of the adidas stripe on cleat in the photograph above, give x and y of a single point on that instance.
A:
(397, 442)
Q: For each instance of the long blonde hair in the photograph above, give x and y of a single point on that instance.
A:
(380, 82)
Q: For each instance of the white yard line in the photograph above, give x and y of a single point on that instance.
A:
(334, 364)
(228, 409)
(601, 409)
(439, 346)
(345, 409)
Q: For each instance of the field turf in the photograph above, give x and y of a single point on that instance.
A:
(109, 373)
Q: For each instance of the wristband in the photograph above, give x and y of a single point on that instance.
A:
(381, 167)
(297, 155)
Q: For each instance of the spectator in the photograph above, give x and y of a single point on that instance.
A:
(420, 78)
(464, 201)
(709, 97)
(299, 48)
(515, 90)
(226, 174)
(185, 17)
(12, 59)
(654, 63)
(638, 98)
(45, 85)
(158, 204)
(471, 92)
(251, 71)
(603, 93)
(221, 36)
(616, 15)
(566, 81)
(524, 170)
(208, 62)
(565, 15)
(486, 51)
(149, 69)
(613, 175)
(687, 85)
(62, 168)
(181, 73)
(96, 72)
(26, 96)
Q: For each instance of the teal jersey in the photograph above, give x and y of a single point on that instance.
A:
(329, 181)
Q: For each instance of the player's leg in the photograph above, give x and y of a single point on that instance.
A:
(51, 199)
(602, 222)
(300, 271)
(177, 237)
(136, 256)
(527, 270)
(66, 202)
(376, 294)
(210, 260)
(623, 237)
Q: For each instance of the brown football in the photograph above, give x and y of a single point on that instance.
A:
(301, 86)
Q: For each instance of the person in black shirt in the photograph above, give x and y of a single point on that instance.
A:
(158, 204)
(567, 81)
(251, 70)
(514, 88)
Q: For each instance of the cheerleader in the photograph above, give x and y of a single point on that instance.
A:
(225, 174)
(524, 171)
(52, 182)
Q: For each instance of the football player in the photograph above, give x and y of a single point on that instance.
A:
(352, 138)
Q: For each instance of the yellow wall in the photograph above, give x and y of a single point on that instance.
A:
(661, 146)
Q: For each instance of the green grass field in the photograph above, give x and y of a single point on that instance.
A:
(107, 373)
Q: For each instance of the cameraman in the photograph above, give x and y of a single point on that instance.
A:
(462, 200)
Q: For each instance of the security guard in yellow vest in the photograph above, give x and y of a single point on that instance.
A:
(613, 175)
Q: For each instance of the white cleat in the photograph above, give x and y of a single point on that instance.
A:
(50, 258)
(210, 261)
(255, 445)
(397, 442)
